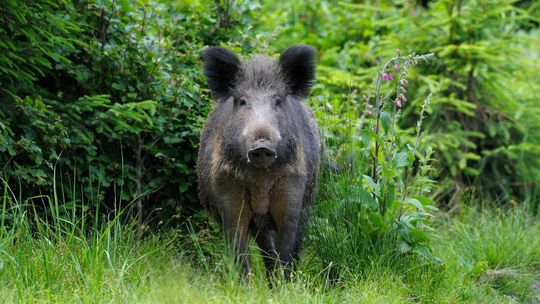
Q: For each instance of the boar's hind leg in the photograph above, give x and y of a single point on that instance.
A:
(235, 214)
(300, 235)
(286, 210)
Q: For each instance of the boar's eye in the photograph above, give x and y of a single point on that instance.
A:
(278, 102)
(242, 102)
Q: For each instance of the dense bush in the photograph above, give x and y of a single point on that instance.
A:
(378, 209)
(31, 134)
(109, 95)
(484, 82)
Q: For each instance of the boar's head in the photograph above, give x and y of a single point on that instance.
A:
(260, 101)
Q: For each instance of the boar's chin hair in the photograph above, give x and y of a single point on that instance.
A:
(221, 68)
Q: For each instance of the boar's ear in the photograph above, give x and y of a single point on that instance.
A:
(298, 66)
(221, 67)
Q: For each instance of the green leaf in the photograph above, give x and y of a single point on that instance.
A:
(404, 247)
(386, 121)
(426, 253)
(401, 159)
(414, 202)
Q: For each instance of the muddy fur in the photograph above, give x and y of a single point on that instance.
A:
(260, 100)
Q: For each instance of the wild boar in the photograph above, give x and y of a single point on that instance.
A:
(259, 151)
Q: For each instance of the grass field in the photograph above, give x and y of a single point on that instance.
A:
(488, 257)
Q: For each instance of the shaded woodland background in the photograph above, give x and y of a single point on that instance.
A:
(105, 100)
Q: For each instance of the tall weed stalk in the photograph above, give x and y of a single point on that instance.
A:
(375, 205)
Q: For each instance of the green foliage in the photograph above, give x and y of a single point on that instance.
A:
(34, 38)
(486, 97)
(484, 82)
(379, 205)
(490, 249)
(101, 103)
(69, 257)
(108, 92)
(113, 90)
(70, 252)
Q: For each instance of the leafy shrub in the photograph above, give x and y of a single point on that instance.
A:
(108, 94)
(485, 87)
(479, 127)
(34, 37)
(378, 207)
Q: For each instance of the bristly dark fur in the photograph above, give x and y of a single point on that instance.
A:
(260, 72)
(221, 68)
(298, 66)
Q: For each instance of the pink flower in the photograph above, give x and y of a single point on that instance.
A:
(403, 98)
(387, 76)
(396, 67)
(403, 89)
(403, 82)
(398, 53)
(398, 103)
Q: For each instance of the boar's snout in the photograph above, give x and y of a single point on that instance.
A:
(261, 154)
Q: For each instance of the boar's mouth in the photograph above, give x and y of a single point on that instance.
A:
(261, 154)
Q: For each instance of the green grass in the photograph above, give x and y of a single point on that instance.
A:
(491, 256)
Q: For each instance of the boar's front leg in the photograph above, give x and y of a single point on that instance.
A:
(286, 209)
(235, 214)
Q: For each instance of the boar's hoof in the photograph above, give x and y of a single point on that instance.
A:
(261, 157)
